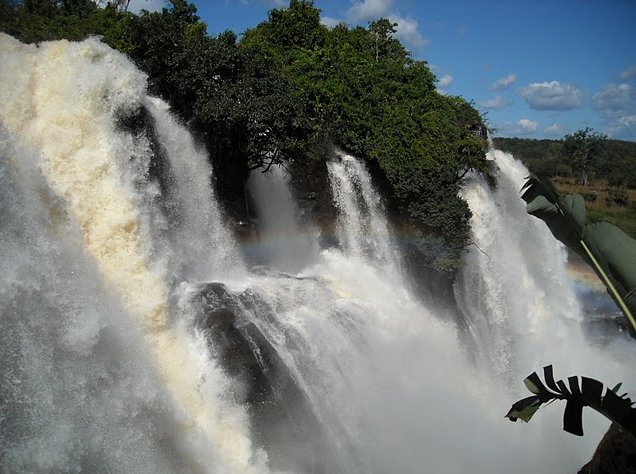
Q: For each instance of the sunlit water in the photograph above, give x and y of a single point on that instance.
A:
(103, 369)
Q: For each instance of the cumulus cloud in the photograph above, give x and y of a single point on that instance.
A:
(628, 74)
(527, 126)
(495, 103)
(555, 130)
(552, 96)
(614, 98)
(369, 10)
(522, 127)
(407, 31)
(504, 82)
(330, 22)
(617, 104)
(446, 80)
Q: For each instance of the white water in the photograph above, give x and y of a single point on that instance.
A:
(205, 247)
(100, 371)
(521, 309)
(287, 245)
(362, 228)
(65, 117)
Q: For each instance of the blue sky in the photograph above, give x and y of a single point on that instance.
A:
(538, 69)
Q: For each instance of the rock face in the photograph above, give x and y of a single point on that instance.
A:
(312, 192)
(615, 454)
(282, 418)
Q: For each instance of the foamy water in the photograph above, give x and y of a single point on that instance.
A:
(68, 116)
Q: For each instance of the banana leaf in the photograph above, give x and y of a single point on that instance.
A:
(589, 392)
(606, 248)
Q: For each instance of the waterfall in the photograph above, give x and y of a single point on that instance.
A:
(205, 247)
(520, 305)
(135, 338)
(286, 244)
(64, 114)
(362, 229)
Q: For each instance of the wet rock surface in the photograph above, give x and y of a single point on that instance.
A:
(281, 415)
(615, 454)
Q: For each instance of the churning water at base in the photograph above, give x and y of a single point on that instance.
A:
(123, 296)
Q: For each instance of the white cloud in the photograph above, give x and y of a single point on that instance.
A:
(369, 10)
(513, 129)
(527, 126)
(407, 31)
(330, 22)
(628, 121)
(555, 130)
(629, 73)
(273, 3)
(552, 96)
(135, 6)
(614, 98)
(504, 82)
(495, 103)
(446, 80)
(617, 105)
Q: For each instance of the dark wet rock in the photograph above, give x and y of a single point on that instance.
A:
(282, 418)
(312, 191)
(615, 454)
(140, 123)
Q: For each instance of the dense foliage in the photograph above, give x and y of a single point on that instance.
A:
(606, 159)
(289, 89)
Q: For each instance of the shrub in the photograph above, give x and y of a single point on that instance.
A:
(591, 196)
(618, 197)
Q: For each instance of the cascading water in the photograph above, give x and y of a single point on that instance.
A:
(134, 338)
(62, 108)
(363, 231)
(519, 304)
(283, 243)
(205, 247)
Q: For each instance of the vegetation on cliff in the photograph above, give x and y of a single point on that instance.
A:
(288, 89)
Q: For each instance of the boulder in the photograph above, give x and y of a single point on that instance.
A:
(615, 454)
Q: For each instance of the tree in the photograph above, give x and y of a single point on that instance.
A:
(297, 26)
(289, 89)
(385, 46)
(583, 148)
